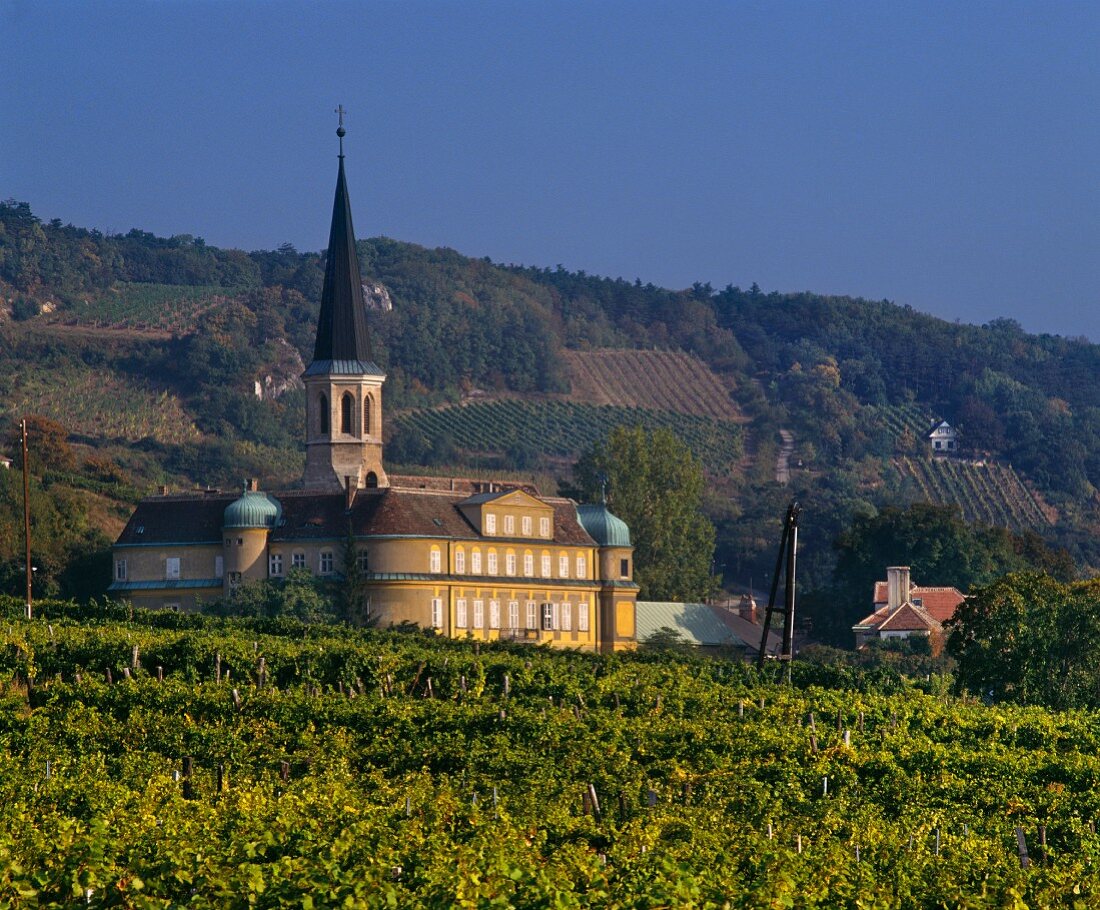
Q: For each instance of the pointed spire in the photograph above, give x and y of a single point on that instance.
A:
(343, 342)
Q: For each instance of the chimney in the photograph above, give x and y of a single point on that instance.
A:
(349, 492)
(252, 485)
(897, 587)
(747, 608)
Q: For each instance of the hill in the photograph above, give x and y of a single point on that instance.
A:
(164, 343)
(167, 758)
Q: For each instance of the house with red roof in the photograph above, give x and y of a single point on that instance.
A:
(902, 609)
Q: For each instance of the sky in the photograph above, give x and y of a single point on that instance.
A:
(940, 155)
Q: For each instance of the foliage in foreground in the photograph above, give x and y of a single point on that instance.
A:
(414, 780)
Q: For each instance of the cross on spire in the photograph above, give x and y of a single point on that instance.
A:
(340, 131)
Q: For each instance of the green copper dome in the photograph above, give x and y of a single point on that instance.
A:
(252, 510)
(602, 526)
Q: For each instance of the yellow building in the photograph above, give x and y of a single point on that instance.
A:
(489, 560)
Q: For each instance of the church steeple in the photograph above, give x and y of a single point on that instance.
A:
(343, 384)
(343, 341)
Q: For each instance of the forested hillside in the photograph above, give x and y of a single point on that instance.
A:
(175, 362)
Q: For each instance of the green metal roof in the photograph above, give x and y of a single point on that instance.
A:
(165, 585)
(697, 623)
(253, 510)
(602, 526)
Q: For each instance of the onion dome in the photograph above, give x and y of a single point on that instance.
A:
(602, 526)
(253, 510)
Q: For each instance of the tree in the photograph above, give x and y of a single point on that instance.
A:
(1031, 639)
(655, 485)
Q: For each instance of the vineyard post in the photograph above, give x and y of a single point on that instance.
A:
(160, 674)
(847, 737)
(107, 676)
(651, 799)
(595, 800)
(1021, 846)
(218, 667)
(937, 842)
(507, 686)
(135, 662)
(1043, 844)
(741, 708)
(284, 772)
(408, 807)
(222, 780)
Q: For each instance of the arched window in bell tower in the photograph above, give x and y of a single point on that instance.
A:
(346, 405)
(366, 416)
(322, 414)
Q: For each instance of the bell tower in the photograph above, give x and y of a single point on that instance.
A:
(343, 383)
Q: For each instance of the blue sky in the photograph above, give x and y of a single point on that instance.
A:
(941, 155)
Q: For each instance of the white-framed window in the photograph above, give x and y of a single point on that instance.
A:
(297, 560)
(493, 562)
(435, 560)
(275, 565)
(494, 614)
(120, 570)
(460, 613)
(479, 614)
(532, 615)
(526, 525)
(437, 612)
(172, 568)
(544, 526)
(460, 561)
(490, 523)
(219, 566)
(475, 562)
(545, 565)
(509, 525)
(567, 617)
(582, 617)
(563, 565)
(510, 563)
(513, 615)
(582, 567)
(362, 560)
(548, 617)
(325, 562)
(528, 564)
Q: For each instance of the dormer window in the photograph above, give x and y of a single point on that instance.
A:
(490, 523)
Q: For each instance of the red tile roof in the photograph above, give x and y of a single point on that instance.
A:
(939, 602)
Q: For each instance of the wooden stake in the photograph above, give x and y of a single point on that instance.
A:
(236, 698)
(107, 675)
(160, 674)
(135, 663)
(1021, 846)
(218, 667)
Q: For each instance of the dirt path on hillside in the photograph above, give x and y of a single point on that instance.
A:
(783, 459)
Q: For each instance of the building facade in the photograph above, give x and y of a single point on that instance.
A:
(480, 559)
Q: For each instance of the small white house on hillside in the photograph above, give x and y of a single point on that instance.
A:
(944, 439)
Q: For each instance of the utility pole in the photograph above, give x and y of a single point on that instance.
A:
(27, 513)
(788, 547)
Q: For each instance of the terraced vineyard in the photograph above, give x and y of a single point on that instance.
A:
(656, 380)
(96, 403)
(899, 418)
(561, 428)
(990, 493)
(169, 307)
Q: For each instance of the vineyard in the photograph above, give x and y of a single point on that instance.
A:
(986, 492)
(655, 380)
(170, 307)
(96, 402)
(560, 428)
(897, 419)
(163, 760)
